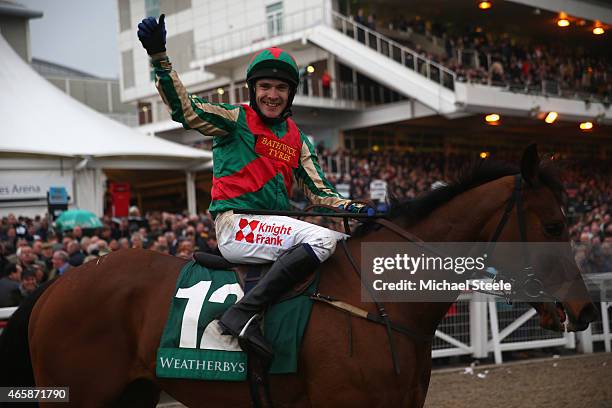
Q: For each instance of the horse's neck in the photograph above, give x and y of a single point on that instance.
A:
(463, 219)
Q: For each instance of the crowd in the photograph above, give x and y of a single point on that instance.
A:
(588, 187)
(590, 195)
(32, 252)
(502, 59)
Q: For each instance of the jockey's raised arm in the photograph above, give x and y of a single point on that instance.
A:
(193, 112)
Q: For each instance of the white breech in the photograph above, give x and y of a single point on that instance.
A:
(246, 238)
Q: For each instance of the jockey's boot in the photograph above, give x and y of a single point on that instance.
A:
(289, 269)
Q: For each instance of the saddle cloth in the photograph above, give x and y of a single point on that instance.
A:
(192, 345)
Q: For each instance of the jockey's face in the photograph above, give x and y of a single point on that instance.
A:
(271, 96)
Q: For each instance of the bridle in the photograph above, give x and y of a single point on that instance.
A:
(525, 282)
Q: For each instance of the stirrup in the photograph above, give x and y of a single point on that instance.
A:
(246, 326)
(252, 340)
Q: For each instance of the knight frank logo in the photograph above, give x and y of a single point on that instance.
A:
(246, 230)
(257, 232)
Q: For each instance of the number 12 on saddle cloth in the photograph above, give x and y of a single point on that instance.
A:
(192, 346)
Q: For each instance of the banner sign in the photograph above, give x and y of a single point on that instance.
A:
(378, 190)
(31, 186)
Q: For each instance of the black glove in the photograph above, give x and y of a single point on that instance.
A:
(152, 34)
(360, 209)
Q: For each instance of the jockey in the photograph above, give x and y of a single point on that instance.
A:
(258, 153)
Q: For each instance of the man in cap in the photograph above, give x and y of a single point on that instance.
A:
(258, 153)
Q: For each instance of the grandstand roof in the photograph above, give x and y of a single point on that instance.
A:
(523, 18)
(37, 118)
(48, 68)
(12, 8)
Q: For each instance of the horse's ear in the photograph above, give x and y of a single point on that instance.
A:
(530, 165)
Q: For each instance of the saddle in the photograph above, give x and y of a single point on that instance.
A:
(248, 275)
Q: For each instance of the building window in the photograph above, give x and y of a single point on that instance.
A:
(124, 15)
(127, 65)
(274, 17)
(145, 113)
(174, 6)
(152, 8)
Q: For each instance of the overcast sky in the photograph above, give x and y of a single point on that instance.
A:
(76, 33)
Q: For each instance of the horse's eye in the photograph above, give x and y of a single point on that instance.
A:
(556, 229)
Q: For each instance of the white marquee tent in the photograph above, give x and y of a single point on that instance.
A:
(48, 138)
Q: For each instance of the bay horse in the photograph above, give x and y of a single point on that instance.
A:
(97, 328)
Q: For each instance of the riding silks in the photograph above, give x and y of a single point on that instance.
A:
(255, 164)
(192, 345)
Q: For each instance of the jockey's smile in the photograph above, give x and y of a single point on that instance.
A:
(271, 96)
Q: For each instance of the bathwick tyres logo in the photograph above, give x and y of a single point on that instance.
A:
(257, 232)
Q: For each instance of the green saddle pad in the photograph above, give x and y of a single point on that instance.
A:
(192, 345)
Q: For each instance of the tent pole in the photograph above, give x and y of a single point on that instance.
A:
(191, 192)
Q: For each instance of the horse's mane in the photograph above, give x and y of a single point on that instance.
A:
(471, 176)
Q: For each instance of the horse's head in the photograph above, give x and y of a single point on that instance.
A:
(544, 222)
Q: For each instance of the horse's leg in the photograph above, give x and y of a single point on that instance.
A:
(141, 393)
(287, 391)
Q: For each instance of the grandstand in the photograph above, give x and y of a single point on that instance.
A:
(414, 79)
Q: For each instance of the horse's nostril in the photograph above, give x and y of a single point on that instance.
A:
(588, 314)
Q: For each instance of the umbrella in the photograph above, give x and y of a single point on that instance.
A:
(82, 218)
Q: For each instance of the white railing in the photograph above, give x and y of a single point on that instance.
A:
(311, 17)
(466, 330)
(394, 50)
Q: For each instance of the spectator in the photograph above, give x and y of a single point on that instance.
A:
(26, 257)
(46, 255)
(11, 276)
(212, 244)
(60, 264)
(77, 233)
(185, 249)
(137, 241)
(26, 286)
(360, 17)
(172, 242)
(124, 243)
(40, 273)
(113, 245)
(326, 83)
(201, 237)
(76, 255)
(371, 24)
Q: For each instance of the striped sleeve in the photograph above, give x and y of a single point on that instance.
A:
(193, 112)
(311, 179)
